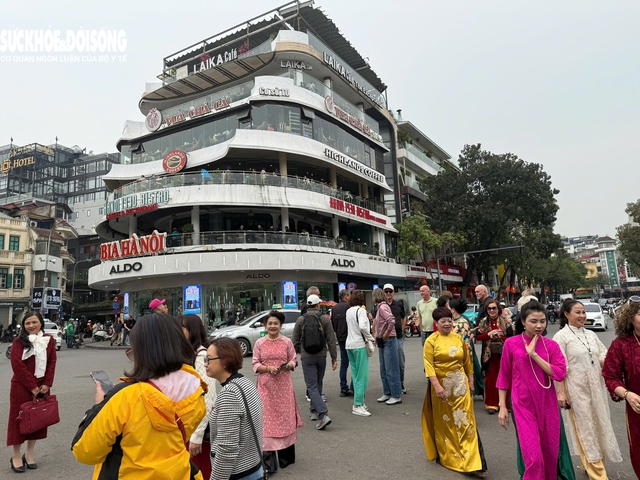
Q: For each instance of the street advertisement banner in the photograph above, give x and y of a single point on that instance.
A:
(290, 294)
(52, 298)
(125, 303)
(342, 286)
(192, 303)
(36, 298)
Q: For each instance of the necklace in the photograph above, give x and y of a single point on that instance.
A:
(531, 363)
(586, 345)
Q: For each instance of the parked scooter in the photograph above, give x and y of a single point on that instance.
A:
(411, 328)
(99, 333)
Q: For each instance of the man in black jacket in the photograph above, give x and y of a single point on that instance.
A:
(339, 321)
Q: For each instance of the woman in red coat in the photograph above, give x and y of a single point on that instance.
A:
(621, 372)
(33, 360)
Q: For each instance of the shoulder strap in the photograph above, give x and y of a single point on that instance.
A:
(253, 428)
(177, 418)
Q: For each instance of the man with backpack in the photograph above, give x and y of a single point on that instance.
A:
(312, 335)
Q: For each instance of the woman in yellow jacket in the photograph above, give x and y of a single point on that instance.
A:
(139, 429)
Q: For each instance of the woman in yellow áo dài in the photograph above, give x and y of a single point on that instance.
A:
(448, 420)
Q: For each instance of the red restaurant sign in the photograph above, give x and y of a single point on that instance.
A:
(175, 161)
(347, 207)
(134, 246)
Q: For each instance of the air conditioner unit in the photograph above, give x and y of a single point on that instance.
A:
(33, 223)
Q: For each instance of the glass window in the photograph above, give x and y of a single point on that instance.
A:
(89, 197)
(14, 243)
(91, 183)
(1, 242)
(259, 118)
(101, 211)
(18, 278)
(91, 167)
(4, 273)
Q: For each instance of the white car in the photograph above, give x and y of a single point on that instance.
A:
(51, 328)
(596, 318)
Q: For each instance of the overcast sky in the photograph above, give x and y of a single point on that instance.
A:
(555, 82)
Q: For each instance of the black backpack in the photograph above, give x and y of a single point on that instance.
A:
(313, 340)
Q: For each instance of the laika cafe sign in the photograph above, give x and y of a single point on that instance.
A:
(134, 246)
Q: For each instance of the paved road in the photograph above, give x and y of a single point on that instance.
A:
(386, 445)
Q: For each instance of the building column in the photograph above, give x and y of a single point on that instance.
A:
(133, 225)
(282, 157)
(333, 177)
(328, 82)
(364, 190)
(360, 106)
(195, 220)
(284, 215)
(335, 226)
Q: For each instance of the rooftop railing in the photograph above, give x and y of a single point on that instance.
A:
(234, 177)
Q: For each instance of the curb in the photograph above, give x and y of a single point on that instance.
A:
(96, 346)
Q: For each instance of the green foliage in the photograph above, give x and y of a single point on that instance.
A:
(599, 281)
(187, 228)
(494, 199)
(629, 236)
(418, 241)
(403, 138)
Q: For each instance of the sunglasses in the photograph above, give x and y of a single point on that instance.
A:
(388, 291)
(208, 359)
(492, 308)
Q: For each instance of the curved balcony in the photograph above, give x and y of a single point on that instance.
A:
(234, 177)
(267, 240)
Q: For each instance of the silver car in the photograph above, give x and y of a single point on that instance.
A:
(248, 331)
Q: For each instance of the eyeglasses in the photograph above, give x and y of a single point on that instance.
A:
(208, 359)
(492, 308)
(388, 291)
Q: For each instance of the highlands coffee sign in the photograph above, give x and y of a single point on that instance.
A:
(354, 165)
(134, 247)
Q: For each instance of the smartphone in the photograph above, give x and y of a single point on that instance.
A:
(103, 379)
(284, 366)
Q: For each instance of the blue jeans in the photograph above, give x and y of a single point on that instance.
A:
(390, 368)
(69, 341)
(424, 336)
(313, 369)
(400, 341)
(344, 365)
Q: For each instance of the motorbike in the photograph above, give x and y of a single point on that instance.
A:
(9, 352)
(99, 333)
(411, 329)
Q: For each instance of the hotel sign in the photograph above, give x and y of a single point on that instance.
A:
(16, 163)
(354, 165)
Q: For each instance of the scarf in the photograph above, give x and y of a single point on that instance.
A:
(39, 344)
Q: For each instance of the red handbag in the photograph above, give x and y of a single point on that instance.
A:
(38, 413)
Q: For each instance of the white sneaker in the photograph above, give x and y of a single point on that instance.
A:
(384, 398)
(365, 407)
(393, 401)
(359, 410)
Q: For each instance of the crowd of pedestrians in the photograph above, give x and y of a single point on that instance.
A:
(184, 410)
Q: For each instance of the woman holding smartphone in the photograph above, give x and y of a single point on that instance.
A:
(274, 358)
(141, 427)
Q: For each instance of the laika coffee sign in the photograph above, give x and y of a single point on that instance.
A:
(134, 246)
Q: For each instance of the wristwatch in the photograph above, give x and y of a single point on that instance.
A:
(624, 395)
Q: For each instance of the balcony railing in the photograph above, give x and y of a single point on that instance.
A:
(232, 177)
(255, 237)
(423, 156)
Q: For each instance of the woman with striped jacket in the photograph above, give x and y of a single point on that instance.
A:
(236, 420)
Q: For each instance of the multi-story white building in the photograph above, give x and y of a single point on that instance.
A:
(267, 164)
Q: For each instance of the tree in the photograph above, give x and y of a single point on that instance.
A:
(599, 281)
(493, 199)
(418, 241)
(629, 236)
